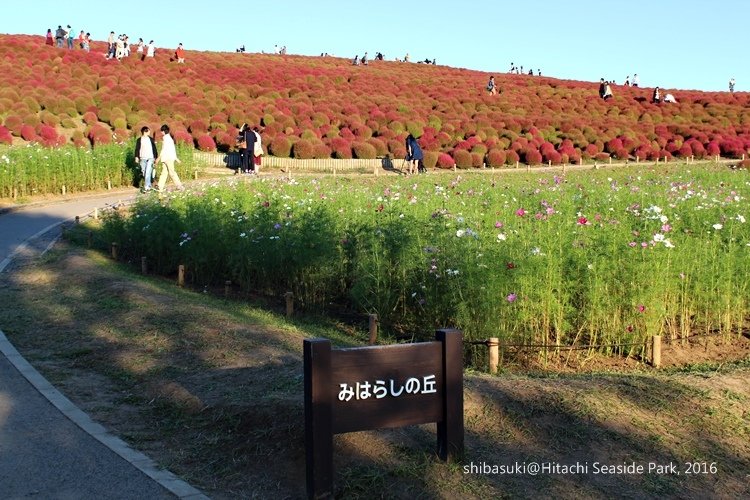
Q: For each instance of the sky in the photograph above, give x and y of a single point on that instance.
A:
(687, 44)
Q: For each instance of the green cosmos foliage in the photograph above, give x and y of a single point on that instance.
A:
(36, 170)
(588, 258)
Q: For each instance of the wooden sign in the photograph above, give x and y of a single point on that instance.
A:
(363, 388)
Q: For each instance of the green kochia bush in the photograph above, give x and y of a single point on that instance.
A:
(591, 258)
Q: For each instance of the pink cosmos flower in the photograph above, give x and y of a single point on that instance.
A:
(632, 244)
(582, 221)
(641, 308)
(498, 224)
(520, 212)
(511, 297)
(666, 228)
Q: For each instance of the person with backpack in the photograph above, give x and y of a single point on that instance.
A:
(59, 37)
(180, 54)
(413, 154)
(491, 87)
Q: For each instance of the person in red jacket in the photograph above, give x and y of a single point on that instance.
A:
(180, 54)
(50, 39)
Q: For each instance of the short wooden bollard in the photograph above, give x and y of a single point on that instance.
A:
(227, 288)
(494, 347)
(114, 250)
(517, 163)
(96, 214)
(64, 190)
(637, 159)
(15, 193)
(610, 160)
(181, 275)
(144, 265)
(90, 239)
(656, 351)
(373, 324)
(109, 184)
(195, 175)
(289, 296)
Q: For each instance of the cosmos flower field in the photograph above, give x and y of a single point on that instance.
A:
(591, 257)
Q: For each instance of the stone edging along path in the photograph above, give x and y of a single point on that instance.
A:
(163, 477)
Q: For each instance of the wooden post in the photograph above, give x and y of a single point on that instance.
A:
(181, 275)
(64, 190)
(494, 348)
(610, 160)
(114, 250)
(373, 320)
(580, 161)
(227, 288)
(656, 351)
(96, 214)
(450, 431)
(516, 163)
(528, 167)
(90, 239)
(454, 167)
(318, 418)
(637, 159)
(15, 193)
(289, 296)
(109, 184)
(549, 163)
(144, 265)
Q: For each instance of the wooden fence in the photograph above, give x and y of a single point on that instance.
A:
(329, 165)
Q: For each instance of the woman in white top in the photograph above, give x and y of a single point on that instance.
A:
(167, 157)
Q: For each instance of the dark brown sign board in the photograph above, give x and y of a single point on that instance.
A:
(375, 387)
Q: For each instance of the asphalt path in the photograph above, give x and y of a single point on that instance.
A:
(49, 449)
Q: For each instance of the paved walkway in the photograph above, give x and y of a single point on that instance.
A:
(50, 449)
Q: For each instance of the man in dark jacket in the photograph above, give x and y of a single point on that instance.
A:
(146, 155)
(248, 138)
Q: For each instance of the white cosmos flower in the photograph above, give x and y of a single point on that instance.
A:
(717, 226)
(501, 237)
(741, 219)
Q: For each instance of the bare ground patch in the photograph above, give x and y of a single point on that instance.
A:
(213, 391)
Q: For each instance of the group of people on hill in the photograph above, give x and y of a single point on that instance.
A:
(518, 70)
(118, 47)
(65, 37)
(605, 91)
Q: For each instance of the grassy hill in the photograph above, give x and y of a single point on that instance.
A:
(321, 107)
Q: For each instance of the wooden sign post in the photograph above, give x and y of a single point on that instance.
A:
(363, 388)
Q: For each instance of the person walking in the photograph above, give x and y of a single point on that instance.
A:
(656, 98)
(257, 150)
(413, 154)
(146, 155)
(636, 80)
(50, 40)
(731, 85)
(111, 45)
(167, 158)
(150, 49)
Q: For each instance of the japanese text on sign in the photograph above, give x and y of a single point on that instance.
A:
(381, 388)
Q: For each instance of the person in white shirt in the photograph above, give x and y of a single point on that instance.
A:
(636, 81)
(150, 49)
(168, 157)
(670, 98)
(731, 84)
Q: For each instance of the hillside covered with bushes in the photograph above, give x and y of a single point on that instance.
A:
(320, 107)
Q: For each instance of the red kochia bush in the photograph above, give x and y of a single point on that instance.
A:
(303, 150)
(495, 158)
(48, 133)
(445, 161)
(532, 157)
(511, 158)
(5, 136)
(462, 158)
(206, 143)
(280, 147)
(363, 150)
(28, 133)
